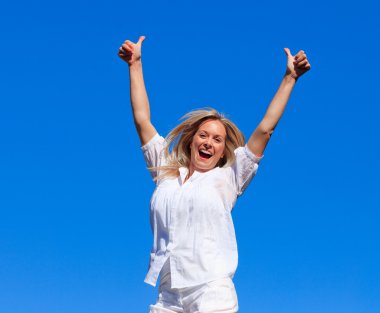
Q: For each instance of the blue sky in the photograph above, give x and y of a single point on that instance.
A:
(74, 199)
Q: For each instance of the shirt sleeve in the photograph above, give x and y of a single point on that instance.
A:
(153, 153)
(244, 168)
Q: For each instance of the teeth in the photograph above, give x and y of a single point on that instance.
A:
(206, 152)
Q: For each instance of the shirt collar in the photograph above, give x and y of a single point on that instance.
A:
(183, 173)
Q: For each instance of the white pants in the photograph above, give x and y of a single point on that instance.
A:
(218, 296)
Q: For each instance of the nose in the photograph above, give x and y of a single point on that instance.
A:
(208, 143)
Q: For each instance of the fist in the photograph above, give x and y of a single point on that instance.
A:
(297, 65)
(131, 52)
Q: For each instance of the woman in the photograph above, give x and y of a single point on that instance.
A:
(200, 169)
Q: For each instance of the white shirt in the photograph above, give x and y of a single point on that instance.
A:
(191, 222)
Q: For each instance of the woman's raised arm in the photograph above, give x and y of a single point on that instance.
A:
(131, 53)
(297, 65)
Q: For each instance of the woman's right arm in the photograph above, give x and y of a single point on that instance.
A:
(131, 53)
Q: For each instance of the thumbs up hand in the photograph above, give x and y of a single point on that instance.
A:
(297, 65)
(131, 52)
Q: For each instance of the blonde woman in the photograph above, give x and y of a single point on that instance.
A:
(200, 169)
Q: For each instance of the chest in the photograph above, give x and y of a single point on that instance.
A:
(202, 195)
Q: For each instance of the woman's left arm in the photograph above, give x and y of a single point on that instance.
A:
(297, 65)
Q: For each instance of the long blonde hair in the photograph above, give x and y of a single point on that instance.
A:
(177, 151)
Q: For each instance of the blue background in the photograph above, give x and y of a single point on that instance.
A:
(74, 191)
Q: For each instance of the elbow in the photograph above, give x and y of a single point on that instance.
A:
(266, 132)
(142, 123)
(266, 135)
(141, 119)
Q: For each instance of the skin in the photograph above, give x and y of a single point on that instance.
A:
(210, 137)
(296, 66)
(131, 53)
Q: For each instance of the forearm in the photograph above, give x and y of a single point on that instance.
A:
(139, 96)
(277, 106)
(131, 53)
(296, 66)
(260, 137)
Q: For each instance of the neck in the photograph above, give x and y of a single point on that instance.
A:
(191, 172)
(192, 169)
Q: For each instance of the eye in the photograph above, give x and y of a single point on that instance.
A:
(219, 140)
(202, 135)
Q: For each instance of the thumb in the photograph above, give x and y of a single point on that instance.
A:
(141, 39)
(287, 52)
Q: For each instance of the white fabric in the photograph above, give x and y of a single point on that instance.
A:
(215, 296)
(191, 222)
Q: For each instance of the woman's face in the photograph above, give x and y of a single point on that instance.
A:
(207, 147)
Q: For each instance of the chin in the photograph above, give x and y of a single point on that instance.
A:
(204, 167)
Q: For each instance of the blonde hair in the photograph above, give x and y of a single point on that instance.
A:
(177, 151)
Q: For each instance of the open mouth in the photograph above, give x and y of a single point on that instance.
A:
(205, 154)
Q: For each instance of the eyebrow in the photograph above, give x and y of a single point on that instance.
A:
(205, 131)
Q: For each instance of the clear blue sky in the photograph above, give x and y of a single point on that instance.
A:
(74, 191)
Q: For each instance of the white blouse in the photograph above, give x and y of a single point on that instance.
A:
(191, 222)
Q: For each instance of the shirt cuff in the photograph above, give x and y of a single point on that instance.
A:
(251, 155)
(151, 142)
